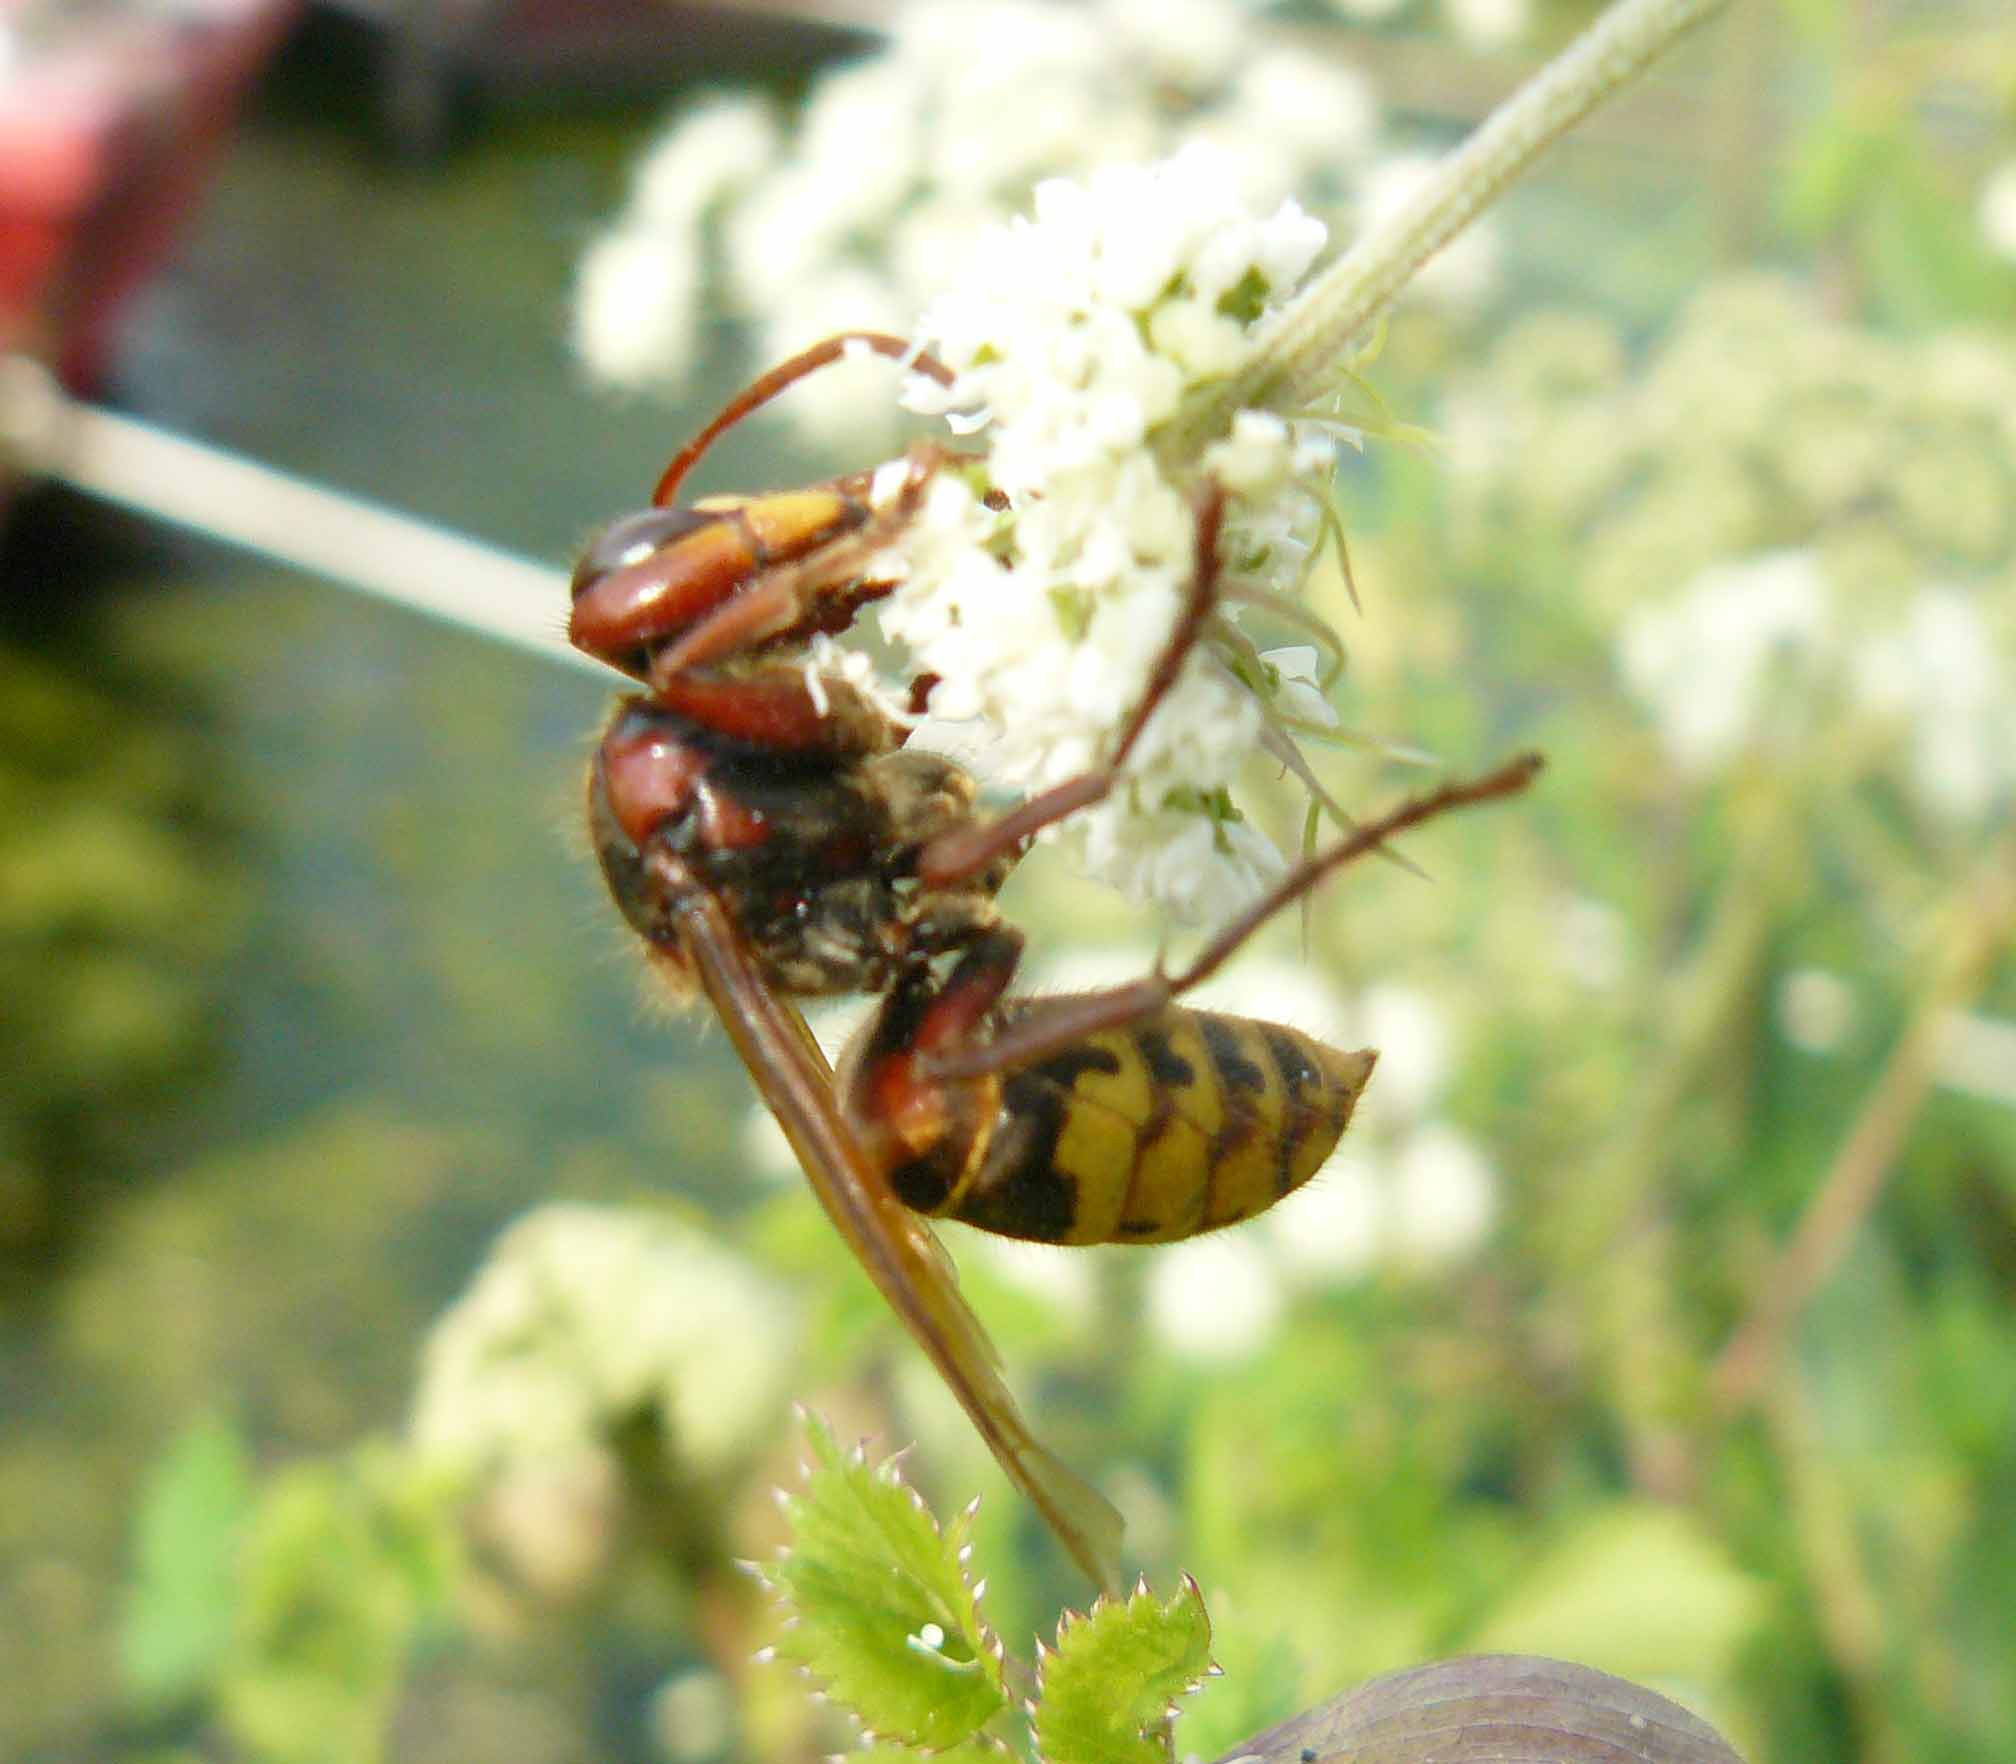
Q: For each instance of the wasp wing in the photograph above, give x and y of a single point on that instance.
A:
(897, 1248)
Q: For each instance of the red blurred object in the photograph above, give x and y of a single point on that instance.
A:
(112, 116)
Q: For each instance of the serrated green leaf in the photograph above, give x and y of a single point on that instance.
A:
(1108, 1692)
(883, 1613)
(192, 1512)
(1262, 1684)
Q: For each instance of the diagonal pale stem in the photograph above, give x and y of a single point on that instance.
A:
(1855, 1181)
(1295, 358)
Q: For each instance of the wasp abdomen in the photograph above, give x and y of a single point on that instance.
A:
(1176, 1125)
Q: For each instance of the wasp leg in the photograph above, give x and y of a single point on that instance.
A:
(962, 854)
(1055, 1025)
(773, 706)
(946, 1017)
(786, 374)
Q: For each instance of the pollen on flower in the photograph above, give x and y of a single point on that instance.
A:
(1075, 338)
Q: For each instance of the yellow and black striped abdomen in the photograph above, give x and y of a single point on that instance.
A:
(1179, 1124)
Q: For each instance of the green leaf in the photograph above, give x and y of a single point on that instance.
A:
(974, 1751)
(346, 1563)
(177, 1620)
(1640, 1590)
(1831, 170)
(1107, 1695)
(883, 1614)
(1925, 249)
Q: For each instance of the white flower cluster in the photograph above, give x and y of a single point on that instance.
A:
(853, 215)
(585, 1316)
(1074, 338)
(1753, 647)
(1706, 661)
(1941, 676)
(1858, 481)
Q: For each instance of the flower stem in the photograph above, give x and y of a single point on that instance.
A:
(1868, 1157)
(1295, 357)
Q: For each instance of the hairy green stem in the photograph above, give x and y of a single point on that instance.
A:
(1295, 357)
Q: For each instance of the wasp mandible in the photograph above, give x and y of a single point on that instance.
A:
(771, 837)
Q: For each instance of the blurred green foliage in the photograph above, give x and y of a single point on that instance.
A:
(118, 895)
(187, 1527)
(1718, 966)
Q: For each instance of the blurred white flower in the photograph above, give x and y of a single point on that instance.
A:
(582, 1317)
(1704, 661)
(1488, 24)
(1324, 109)
(854, 216)
(1412, 1036)
(1154, 1525)
(765, 1150)
(1593, 942)
(555, 1518)
(1334, 1227)
(638, 288)
(1086, 967)
(693, 1716)
(1279, 990)
(834, 1020)
(1444, 1197)
(1942, 673)
(1749, 643)
(1215, 1298)
(1424, 1197)
(1188, 42)
(828, 406)
(636, 306)
(1816, 1009)
(1977, 1053)
(1063, 1281)
(1995, 209)
(714, 150)
(1369, 11)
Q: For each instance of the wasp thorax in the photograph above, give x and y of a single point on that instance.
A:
(925, 795)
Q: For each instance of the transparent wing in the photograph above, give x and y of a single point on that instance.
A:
(897, 1247)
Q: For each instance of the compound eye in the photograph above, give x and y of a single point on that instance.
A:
(633, 538)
